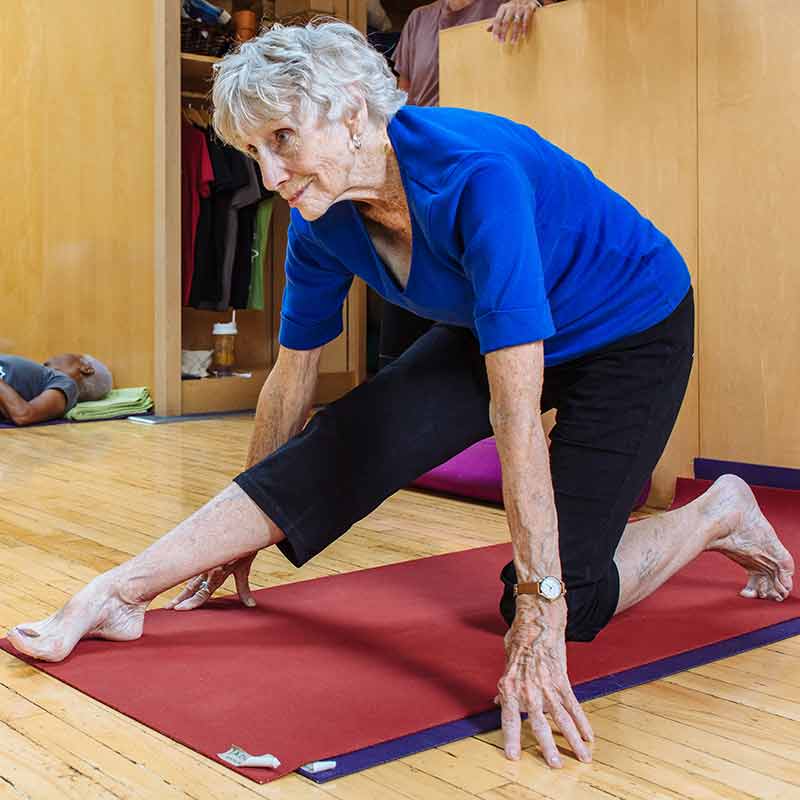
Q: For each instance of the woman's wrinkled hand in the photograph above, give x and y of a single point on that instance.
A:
(536, 681)
(199, 589)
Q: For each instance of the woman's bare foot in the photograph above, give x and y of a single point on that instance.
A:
(748, 539)
(97, 611)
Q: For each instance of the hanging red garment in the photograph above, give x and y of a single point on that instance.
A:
(196, 177)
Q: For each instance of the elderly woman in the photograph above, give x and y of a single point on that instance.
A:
(550, 290)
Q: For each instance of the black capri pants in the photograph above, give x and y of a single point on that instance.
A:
(399, 330)
(616, 408)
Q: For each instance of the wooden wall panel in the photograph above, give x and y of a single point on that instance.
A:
(749, 101)
(614, 84)
(76, 215)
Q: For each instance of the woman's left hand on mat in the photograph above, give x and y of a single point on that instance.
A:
(536, 681)
(199, 589)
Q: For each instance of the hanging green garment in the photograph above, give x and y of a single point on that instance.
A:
(255, 298)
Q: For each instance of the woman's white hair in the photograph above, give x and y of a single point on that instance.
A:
(319, 68)
(97, 385)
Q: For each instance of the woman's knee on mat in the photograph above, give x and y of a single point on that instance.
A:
(590, 606)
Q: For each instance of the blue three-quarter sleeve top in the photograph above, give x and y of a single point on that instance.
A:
(511, 237)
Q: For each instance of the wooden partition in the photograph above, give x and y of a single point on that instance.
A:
(76, 108)
(749, 84)
(614, 84)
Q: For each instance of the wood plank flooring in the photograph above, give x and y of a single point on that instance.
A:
(78, 499)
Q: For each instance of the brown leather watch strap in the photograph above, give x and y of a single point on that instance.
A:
(535, 588)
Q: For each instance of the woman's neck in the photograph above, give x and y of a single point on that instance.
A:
(386, 203)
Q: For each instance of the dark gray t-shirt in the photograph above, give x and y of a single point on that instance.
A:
(29, 379)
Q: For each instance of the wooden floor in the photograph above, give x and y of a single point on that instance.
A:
(78, 499)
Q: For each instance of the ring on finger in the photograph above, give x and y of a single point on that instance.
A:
(204, 587)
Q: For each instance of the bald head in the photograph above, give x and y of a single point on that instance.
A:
(94, 379)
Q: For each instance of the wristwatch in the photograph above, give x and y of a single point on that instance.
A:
(550, 588)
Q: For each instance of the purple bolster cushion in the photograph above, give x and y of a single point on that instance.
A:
(475, 473)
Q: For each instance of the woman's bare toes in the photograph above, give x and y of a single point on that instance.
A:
(97, 611)
(43, 640)
(751, 541)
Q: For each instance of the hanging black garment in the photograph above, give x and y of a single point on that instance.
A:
(230, 174)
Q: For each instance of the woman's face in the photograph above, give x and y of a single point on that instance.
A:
(309, 163)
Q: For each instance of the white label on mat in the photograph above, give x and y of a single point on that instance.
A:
(318, 766)
(241, 758)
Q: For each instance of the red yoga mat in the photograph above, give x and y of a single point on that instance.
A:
(332, 665)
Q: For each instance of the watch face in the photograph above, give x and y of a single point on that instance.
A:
(550, 587)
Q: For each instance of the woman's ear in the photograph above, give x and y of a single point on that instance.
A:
(356, 117)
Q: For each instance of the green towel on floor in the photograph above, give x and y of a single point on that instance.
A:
(117, 403)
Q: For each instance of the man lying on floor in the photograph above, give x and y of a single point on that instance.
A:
(32, 392)
(549, 290)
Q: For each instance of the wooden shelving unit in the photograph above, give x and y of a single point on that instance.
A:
(187, 95)
(196, 72)
(343, 362)
(253, 345)
(233, 393)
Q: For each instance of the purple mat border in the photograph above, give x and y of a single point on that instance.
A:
(64, 421)
(4, 423)
(404, 746)
(755, 474)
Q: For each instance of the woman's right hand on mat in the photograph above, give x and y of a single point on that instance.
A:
(200, 589)
(536, 681)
